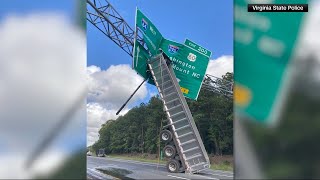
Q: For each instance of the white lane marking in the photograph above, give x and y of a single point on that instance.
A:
(177, 177)
(95, 177)
(206, 177)
(220, 175)
(94, 173)
(135, 162)
(225, 172)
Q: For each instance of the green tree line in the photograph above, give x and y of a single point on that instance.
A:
(138, 130)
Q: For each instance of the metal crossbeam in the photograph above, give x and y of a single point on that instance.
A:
(104, 17)
(218, 85)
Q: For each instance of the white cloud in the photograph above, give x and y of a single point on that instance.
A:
(309, 41)
(108, 90)
(112, 87)
(98, 115)
(152, 90)
(42, 72)
(220, 66)
(93, 69)
(153, 93)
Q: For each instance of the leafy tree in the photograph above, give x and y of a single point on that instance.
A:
(138, 130)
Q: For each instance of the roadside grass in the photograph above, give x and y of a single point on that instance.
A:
(224, 166)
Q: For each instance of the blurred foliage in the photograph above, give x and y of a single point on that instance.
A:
(291, 149)
(75, 167)
(138, 130)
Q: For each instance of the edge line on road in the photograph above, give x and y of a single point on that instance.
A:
(221, 175)
(178, 177)
(206, 177)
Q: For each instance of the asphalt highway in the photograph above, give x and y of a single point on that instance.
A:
(128, 169)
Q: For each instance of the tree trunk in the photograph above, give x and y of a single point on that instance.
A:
(217, 149)
(142, 142)
(217, 146)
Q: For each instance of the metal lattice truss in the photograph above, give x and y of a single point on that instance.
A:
(104, 17)
(218, 85)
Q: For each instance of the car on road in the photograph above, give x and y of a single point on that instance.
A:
(89, 153)
(101, 153)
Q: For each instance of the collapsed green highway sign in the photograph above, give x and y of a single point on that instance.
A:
(140, 59)
(190, 61)
(151, 34)
(188, 65)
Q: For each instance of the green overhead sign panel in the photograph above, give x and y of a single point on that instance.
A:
(264, 46)
(151, 34)
(197, 47)
(140, 59)
(190, 61)
(188, 65)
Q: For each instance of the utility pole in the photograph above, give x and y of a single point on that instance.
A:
(142, 141)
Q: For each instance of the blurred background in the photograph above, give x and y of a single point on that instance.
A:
(42, 89)
(282, 142)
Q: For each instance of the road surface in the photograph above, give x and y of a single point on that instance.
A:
(142, 170)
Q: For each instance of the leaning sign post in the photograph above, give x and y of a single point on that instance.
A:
(264, 49)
